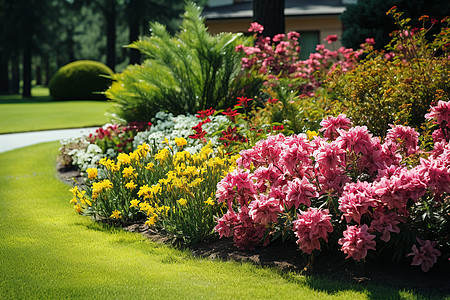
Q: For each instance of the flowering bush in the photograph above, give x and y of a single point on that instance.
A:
(396, 85)
(279, 58)
(347, 185)
(173, 189)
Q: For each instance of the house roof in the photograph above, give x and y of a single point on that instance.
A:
(292, 8)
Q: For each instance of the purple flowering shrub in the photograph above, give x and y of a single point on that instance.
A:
(347, 187)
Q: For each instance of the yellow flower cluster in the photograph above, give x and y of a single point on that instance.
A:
(79, 199)
(92, 173)
(98, 187)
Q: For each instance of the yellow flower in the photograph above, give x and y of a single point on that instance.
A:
(151, 220)
(128, 172)
(182, 201)
(196, 182)
(143, 149)
(180, 142)
(162, 154)
(74, 190)
(124, 158)
(92, 173)
(78, 208)
(134, 203)
(74, 200)
(116, 214)
(210, 201)
(150, 166)
(311, 134)
(131, 185)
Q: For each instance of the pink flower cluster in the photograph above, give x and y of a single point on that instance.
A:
(284, 175)
(281, 55)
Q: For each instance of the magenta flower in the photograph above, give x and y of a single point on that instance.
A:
(329, 156)
(331, 125)
(264, 210)
(385, 222)
(356, 242)
(357, 139)
(441, 112)
(404, 136)
(356, 200)
(310, 226)
(331, 38)
(299, 192)
(426, 256)
(226, 223)
(256, 27)
(246, 233)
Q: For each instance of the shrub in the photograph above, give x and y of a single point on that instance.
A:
(81, 80)
(395, 86)
(345, 188)
(190, 71)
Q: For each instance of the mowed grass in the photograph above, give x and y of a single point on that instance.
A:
(47, 251)
(41, 113)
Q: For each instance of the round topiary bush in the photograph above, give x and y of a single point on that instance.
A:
(81, 80)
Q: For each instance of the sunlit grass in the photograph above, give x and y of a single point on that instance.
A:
(49, 252)
(40, 112)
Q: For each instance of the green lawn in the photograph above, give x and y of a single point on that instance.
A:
(47, 251)
(40, 112)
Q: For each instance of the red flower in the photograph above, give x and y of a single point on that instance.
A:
(272, 100)
(231, 113)
(280, 127)
(243, 101)
(203, 114)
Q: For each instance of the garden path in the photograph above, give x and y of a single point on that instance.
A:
(13, 141)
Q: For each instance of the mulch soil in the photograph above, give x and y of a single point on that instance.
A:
(286, 258)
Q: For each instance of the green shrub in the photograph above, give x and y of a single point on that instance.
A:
(81, 80)
(398, 85)
(185, 73)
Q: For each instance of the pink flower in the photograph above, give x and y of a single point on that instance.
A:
(226, 223)
(385, 223)
(331, 38)
(356, 242)
(247, 234)
(329, 156)
(370, 41)
(299, 192)
(426, 256)
(331, 125)
(310, 226)
(441, 112)
(357, 139)
(256, 27)
(264, 210)
(356, 200)
(404, 136)
(293, 35)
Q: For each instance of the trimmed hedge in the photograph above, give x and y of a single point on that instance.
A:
(81, 80)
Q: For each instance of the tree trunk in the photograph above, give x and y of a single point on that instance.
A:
(26, 88)
(38, 71)
(270, 14)
(134, 54)
(111, 35)
(4, 75)
(15, 78)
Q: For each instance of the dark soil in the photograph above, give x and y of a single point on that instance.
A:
(286, 258)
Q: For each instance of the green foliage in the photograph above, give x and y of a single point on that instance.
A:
(395, 87)
(80, 80)
(185, 73)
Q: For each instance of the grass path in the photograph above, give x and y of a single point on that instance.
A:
(49, 252)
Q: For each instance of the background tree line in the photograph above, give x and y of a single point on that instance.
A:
(39, 36)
